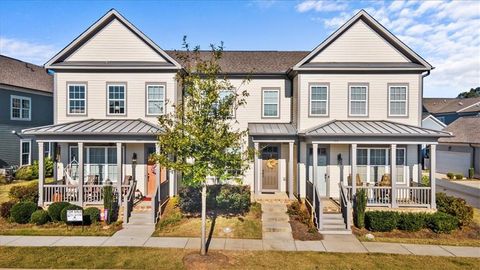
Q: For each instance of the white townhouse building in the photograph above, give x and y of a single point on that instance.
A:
(345, 115)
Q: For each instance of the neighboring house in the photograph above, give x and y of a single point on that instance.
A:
(352, 107)
(26, 100)
(448, 110)
(462, 151)
(431, 122)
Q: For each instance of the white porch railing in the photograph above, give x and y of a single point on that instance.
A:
(405, 196)
(92, 194)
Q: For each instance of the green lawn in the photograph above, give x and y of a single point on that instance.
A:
(151, 258)
(173, 223)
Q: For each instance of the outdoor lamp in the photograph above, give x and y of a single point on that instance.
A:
(134, 165)
(339, 159)
(134, 158)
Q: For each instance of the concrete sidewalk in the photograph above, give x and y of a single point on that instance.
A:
(331, 243)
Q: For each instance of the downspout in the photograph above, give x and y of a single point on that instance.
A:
(472, 165)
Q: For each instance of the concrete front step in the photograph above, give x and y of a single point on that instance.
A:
(276, 227)
(333, 222)
(340, 231)
(275, 218)
(334, 227)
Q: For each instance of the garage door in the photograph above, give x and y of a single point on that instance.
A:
(449, 161)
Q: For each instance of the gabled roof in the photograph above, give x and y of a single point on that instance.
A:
(451, 105)
(371, 128)
(106, 127)
(464, 130)
(382, 31)
(17, 73)
(426, 116)
(57, 60)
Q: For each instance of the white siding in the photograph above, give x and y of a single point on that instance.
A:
(115, 42)
(360, 43)
(97, 94)
(378, 97)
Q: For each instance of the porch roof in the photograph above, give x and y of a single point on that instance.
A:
(271, 129)
(371, 128)
(97, 127)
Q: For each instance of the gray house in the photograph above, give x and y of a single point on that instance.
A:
(448, 110)
(26, 100)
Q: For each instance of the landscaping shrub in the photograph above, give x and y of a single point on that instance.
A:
(459, 176)
(450, 175)
(63, 213)
(24, 193)
(55, 210)
(26, 173)
(22, 211)
(39, 217)
(456, 207)
(110, 202)
(425, 180)
(442, 223)
(471, 173)
(5, 209)
(233, 199)
(381, 221)
(190, 199)
(92, 214)
(359, 206)
(411, 222)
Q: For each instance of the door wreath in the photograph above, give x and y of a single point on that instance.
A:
(272, 163)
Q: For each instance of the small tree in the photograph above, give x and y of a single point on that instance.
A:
(198, 139)
(359, 206)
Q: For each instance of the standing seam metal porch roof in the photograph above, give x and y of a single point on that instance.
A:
(371, 128)
(97, 127)
(271, 129)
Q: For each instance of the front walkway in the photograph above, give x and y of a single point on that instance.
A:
(331, 243)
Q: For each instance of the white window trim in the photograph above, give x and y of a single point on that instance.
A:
(388, 165)
(29, 109)
(311, 100)
(350, 99)
(277, 103)
(87, 164)
(68, 98)
(148, 100)
(390, 100)
(29, 141)
(232, 112)
(124, 98)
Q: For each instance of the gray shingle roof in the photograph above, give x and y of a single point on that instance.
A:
(464, 130)
(97, 127)
(271, 129)
(25, 75)
(371, 128)
(252, 61)
(447, 105)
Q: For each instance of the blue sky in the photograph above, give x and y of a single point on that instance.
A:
(445, 33)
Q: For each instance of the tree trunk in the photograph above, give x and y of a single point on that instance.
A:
(203, 250)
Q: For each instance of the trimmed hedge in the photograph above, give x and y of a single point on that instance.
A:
(55, 210)
(5, 209)
(92, 214)
(233, 199)
(450, 175)
(442, 223)
(39, 217)
(411, 222)
(26, 193)
(22, 211)
(359, 206)
(459, 176)
(456, 207)
(63, 213)
(381, 221)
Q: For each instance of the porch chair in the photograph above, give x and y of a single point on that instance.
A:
(358, 181)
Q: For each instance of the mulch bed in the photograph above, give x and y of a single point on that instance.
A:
(301, 231)
(212, 260)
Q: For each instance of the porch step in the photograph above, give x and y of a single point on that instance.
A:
(274, 218)
(140, 218)
(343, 231)
(276, 227)
(332, 216)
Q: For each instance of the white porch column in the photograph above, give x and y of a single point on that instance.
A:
(353, 155)
(80, 173)
(157, 171)
(119, 173)
(256, 170)
(290, 170)
(314, 169)
(393, 174)
(433, 168)
(41, 173)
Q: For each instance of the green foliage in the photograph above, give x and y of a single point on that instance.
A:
(381, 221)
(456, 207)
(459, 176)
(55, 210)
(92, 214)
(474, 92)
(22, 211)
(110, 202)
(442, 223)
(411, 222)
(26, 173)
(425, 180)
(471, 173)
(63, 213)
(39, 217)
(299, 212)
(5, 208)
(24, 193)
(359, 207)
(224, 199)
(450, 175)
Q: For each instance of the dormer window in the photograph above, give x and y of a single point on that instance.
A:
(116, 99)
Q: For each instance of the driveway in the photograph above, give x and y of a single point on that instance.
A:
(468, 190)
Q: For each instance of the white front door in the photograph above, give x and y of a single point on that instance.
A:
(321, 180)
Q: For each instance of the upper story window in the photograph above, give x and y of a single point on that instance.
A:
(397, 100)
(116, 99)
(155, 99)
(358, 96)
(25, 152)
(223, 96)
(77, 102)
(318, 100)
(20, 108)
(271, 101)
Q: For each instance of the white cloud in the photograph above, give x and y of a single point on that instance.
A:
(321, 6)
(26, 51)
(445, 33)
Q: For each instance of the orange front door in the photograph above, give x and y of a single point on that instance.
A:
(151, 183)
